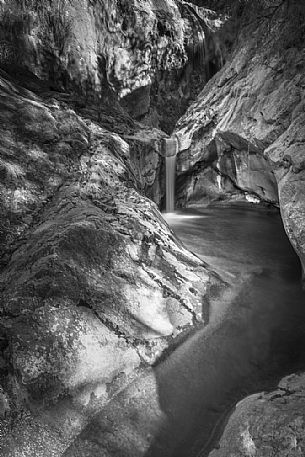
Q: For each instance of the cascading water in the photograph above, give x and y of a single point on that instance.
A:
(170, 166)
(170, 150)
(218, 177)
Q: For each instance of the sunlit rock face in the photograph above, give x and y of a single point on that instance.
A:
(150, 56)
(127, 41)
(93, 284)
(244, 134)
(173, 89)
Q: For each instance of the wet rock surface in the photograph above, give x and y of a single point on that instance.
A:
(93, 284)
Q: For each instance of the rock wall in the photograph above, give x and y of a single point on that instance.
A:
(267, 424)
(91, 43)
(243, 135)
(123, 61)
(151, 56)
(93, 284)
(243, 138)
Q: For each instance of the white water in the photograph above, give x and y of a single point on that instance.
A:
(170, 166)
(218, 177)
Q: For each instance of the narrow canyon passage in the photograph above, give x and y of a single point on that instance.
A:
(255, 336)
(125, 332)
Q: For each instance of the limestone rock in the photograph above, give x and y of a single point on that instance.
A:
(267, 424)
(151, 56)
(243, 136)
(93, 284)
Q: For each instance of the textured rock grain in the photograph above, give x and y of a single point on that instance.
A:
(150, 56)
(93, 284)
(267, 424)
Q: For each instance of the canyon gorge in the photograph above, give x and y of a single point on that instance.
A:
(152, 229)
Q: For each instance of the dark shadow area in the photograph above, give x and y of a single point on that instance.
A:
(254, 338)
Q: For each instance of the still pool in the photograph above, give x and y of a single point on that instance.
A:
(256, 332)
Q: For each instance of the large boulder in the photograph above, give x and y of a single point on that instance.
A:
(93, 284)
(267, 424)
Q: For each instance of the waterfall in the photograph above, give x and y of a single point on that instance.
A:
(218, 177)
(170, 166)
(170, 148)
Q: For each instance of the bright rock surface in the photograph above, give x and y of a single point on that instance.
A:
(93, 284)
(149, 56)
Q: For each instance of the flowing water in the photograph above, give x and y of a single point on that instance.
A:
(256, 333)
(170, 168)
